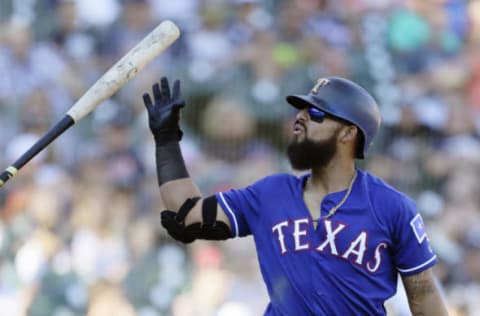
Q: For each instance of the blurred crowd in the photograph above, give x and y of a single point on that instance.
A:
(79, 225)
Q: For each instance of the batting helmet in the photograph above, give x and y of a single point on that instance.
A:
(344, 99)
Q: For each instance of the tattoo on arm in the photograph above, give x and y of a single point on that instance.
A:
(419, 286)
(424, 295)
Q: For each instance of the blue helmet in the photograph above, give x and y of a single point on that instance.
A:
(347, 100)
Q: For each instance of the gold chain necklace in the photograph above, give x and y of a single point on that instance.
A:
(345, 197)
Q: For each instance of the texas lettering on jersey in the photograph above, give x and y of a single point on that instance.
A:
(376, 235)
(355, 252)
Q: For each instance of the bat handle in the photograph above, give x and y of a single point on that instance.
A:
(43, 142)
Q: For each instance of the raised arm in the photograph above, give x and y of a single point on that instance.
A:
(424, 297)
(188, 215)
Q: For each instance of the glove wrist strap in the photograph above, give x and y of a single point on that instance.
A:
(167, 137)
(170, 163)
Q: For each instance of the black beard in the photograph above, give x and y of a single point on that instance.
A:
(307, 154)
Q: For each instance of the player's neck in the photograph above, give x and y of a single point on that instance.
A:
(332, 178)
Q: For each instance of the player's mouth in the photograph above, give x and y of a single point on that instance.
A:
(298, 128)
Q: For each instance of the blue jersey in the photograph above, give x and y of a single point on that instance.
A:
(348, 264)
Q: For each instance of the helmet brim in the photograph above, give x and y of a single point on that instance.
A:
(301, 101)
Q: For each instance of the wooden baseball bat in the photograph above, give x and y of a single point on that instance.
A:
(125, 69)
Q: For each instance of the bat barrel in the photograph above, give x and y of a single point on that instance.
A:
(43, 142)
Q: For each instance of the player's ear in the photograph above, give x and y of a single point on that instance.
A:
(348, 134)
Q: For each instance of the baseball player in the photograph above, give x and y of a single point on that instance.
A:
(330, 242)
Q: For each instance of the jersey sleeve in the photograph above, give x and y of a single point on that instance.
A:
(413, 253)
(241, 207)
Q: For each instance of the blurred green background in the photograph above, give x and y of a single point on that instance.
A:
(79, 225)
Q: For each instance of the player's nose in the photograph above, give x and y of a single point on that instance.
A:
(302, 115)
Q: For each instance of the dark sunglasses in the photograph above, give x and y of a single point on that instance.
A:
(316, 115)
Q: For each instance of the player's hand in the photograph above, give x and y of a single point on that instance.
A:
(164, 111)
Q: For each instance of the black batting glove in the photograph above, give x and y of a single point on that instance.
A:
(164, 112)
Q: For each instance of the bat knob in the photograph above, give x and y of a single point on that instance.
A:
(7, 174)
